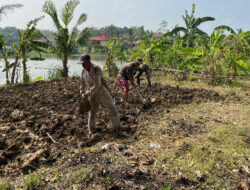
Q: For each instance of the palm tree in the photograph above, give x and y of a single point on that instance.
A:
(192, 25)
(5, 8)
(28, 42)
(66, 41)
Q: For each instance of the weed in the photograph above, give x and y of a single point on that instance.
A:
(105, 180)
(55, 73)
(81, 174)
(5, 185)
(57, 177)
(32, 181)
(166, 187)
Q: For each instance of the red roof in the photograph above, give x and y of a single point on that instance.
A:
(158, 35)
(100, 37)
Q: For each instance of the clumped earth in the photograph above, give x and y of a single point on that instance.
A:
(39, 122)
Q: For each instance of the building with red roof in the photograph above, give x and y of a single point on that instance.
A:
(158, 35)
(99, 40)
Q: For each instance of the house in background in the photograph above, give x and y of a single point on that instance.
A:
(99, 40)
(158, 35)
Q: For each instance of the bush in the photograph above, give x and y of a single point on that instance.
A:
(55, 73)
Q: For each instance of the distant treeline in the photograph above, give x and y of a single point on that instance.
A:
(11, 33)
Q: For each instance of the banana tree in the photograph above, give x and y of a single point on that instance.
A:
(65, 41)
(153, 51)
(209, 54)
(192, 31)
(145, 48)
(237, 41)
(174, 56)
(28, 42)
(113, 54)
(235, 63)
(5, 53)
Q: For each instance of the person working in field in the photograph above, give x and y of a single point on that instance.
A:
(127, 73)
(94, 88)
(144, 68)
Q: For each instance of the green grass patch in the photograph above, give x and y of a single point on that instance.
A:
(5, 185)
(81, 174)
(33, 181)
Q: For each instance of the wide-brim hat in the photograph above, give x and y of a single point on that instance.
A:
(84, 57)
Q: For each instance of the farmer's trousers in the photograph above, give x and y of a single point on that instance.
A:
(103, 97)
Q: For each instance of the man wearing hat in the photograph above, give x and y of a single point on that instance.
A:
(143, 68)
(93, 88)
(127, 73)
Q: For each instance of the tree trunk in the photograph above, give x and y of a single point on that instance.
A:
(14, 69)
(25, 72)
(65, 67)
(7, 70)
(212, 73)
(113, 67)
(234, 71)
(7, 73)
(109, 64)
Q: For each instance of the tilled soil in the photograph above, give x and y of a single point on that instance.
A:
(39, 121)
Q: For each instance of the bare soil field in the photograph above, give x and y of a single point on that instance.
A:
(43, 136)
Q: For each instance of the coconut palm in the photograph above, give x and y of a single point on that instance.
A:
(192, 25)
(65, 41)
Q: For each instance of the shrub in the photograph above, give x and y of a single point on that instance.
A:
(55, 73)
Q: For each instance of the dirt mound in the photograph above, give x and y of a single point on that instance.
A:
(40, 120)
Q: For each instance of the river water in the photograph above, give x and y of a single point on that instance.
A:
(42, 68)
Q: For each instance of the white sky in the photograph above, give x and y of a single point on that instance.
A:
(128, 13)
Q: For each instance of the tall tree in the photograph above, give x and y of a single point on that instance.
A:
(192, 25)
(65, 41)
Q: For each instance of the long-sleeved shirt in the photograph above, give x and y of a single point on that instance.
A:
(143, 68)
(91, 82)
(127, 68)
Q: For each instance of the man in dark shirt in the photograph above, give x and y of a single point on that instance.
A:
(144, 68)
(127, 73)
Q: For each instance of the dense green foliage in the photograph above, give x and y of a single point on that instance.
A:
(219, 57)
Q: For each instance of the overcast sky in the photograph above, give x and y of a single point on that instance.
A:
(149, 13)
